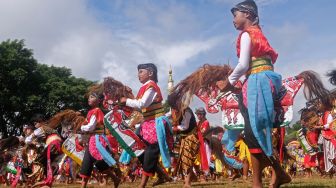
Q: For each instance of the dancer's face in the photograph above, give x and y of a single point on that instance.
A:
(200, 116)
(144, 75)
(28, 131)
(92, 101)
(240, 19)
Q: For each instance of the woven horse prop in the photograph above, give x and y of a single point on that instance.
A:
(120, 120)
(70, 122)
(50, 152)
(202, 83)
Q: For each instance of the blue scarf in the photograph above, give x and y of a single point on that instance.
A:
(104, 153)
(162, 139)
(125, 157)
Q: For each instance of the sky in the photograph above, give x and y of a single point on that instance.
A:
(99, 38)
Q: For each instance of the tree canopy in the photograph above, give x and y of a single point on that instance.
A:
(27, 88)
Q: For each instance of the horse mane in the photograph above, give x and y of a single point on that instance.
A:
(332, 77)
(204, 77)
(75, 118)
(314, 89)
(113, 89)
(95, 88)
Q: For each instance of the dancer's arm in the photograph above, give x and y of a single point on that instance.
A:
(145, 101)
(244, 59)
(91, 125)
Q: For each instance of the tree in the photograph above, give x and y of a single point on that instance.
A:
(60, 90)
(27, 87)
(291, 131)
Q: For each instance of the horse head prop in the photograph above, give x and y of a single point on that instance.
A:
(69, 120)
(120, 120)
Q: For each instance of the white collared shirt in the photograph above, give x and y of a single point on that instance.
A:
(146, 100)
(244, 59)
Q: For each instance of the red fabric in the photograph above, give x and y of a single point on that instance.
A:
(205, 126)
(328, 133)
(260, 45)
(99, 116)
(79, 147)
(203, 155)
(325, 117)
(48, 181)
(255, 150)
(147, 174)
(150, 84)
(113, 143)
(83, 176)
(309, 161)
(312, 137)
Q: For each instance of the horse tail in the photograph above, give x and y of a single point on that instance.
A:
(314, 89)
(216, 148)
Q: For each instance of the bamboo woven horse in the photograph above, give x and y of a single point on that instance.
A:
(70, 122)
(202, 84)
(121, 120)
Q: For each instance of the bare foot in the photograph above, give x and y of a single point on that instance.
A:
(186, 186)
(245, 179)
(233, 177)
(103, 182)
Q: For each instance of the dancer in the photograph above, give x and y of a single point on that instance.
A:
(185, 125)
(156, 130)
(99, 148)
(256, 59)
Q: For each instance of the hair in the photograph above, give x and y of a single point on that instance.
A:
(249, 7)
(204, 77)
(332, 77)
(314, 89)
(152, 68)
(113, 89)
(66, 116)
(95, 90)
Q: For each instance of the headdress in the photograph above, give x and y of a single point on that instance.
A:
(150, 67)
(248, 6)
(27, 126)
(200, 110)
(96, 90)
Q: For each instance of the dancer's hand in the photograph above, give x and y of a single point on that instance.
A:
(123, 100)
(224, 85)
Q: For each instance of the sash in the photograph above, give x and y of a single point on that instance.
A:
(125, 158)
(162, 139)
(104, 153)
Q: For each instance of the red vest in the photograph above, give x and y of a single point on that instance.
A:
(260, 46)
(99, 116)
(155, 109)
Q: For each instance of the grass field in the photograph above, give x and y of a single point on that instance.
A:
(315, 182)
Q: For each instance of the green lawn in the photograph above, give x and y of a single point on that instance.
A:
(315, 182)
